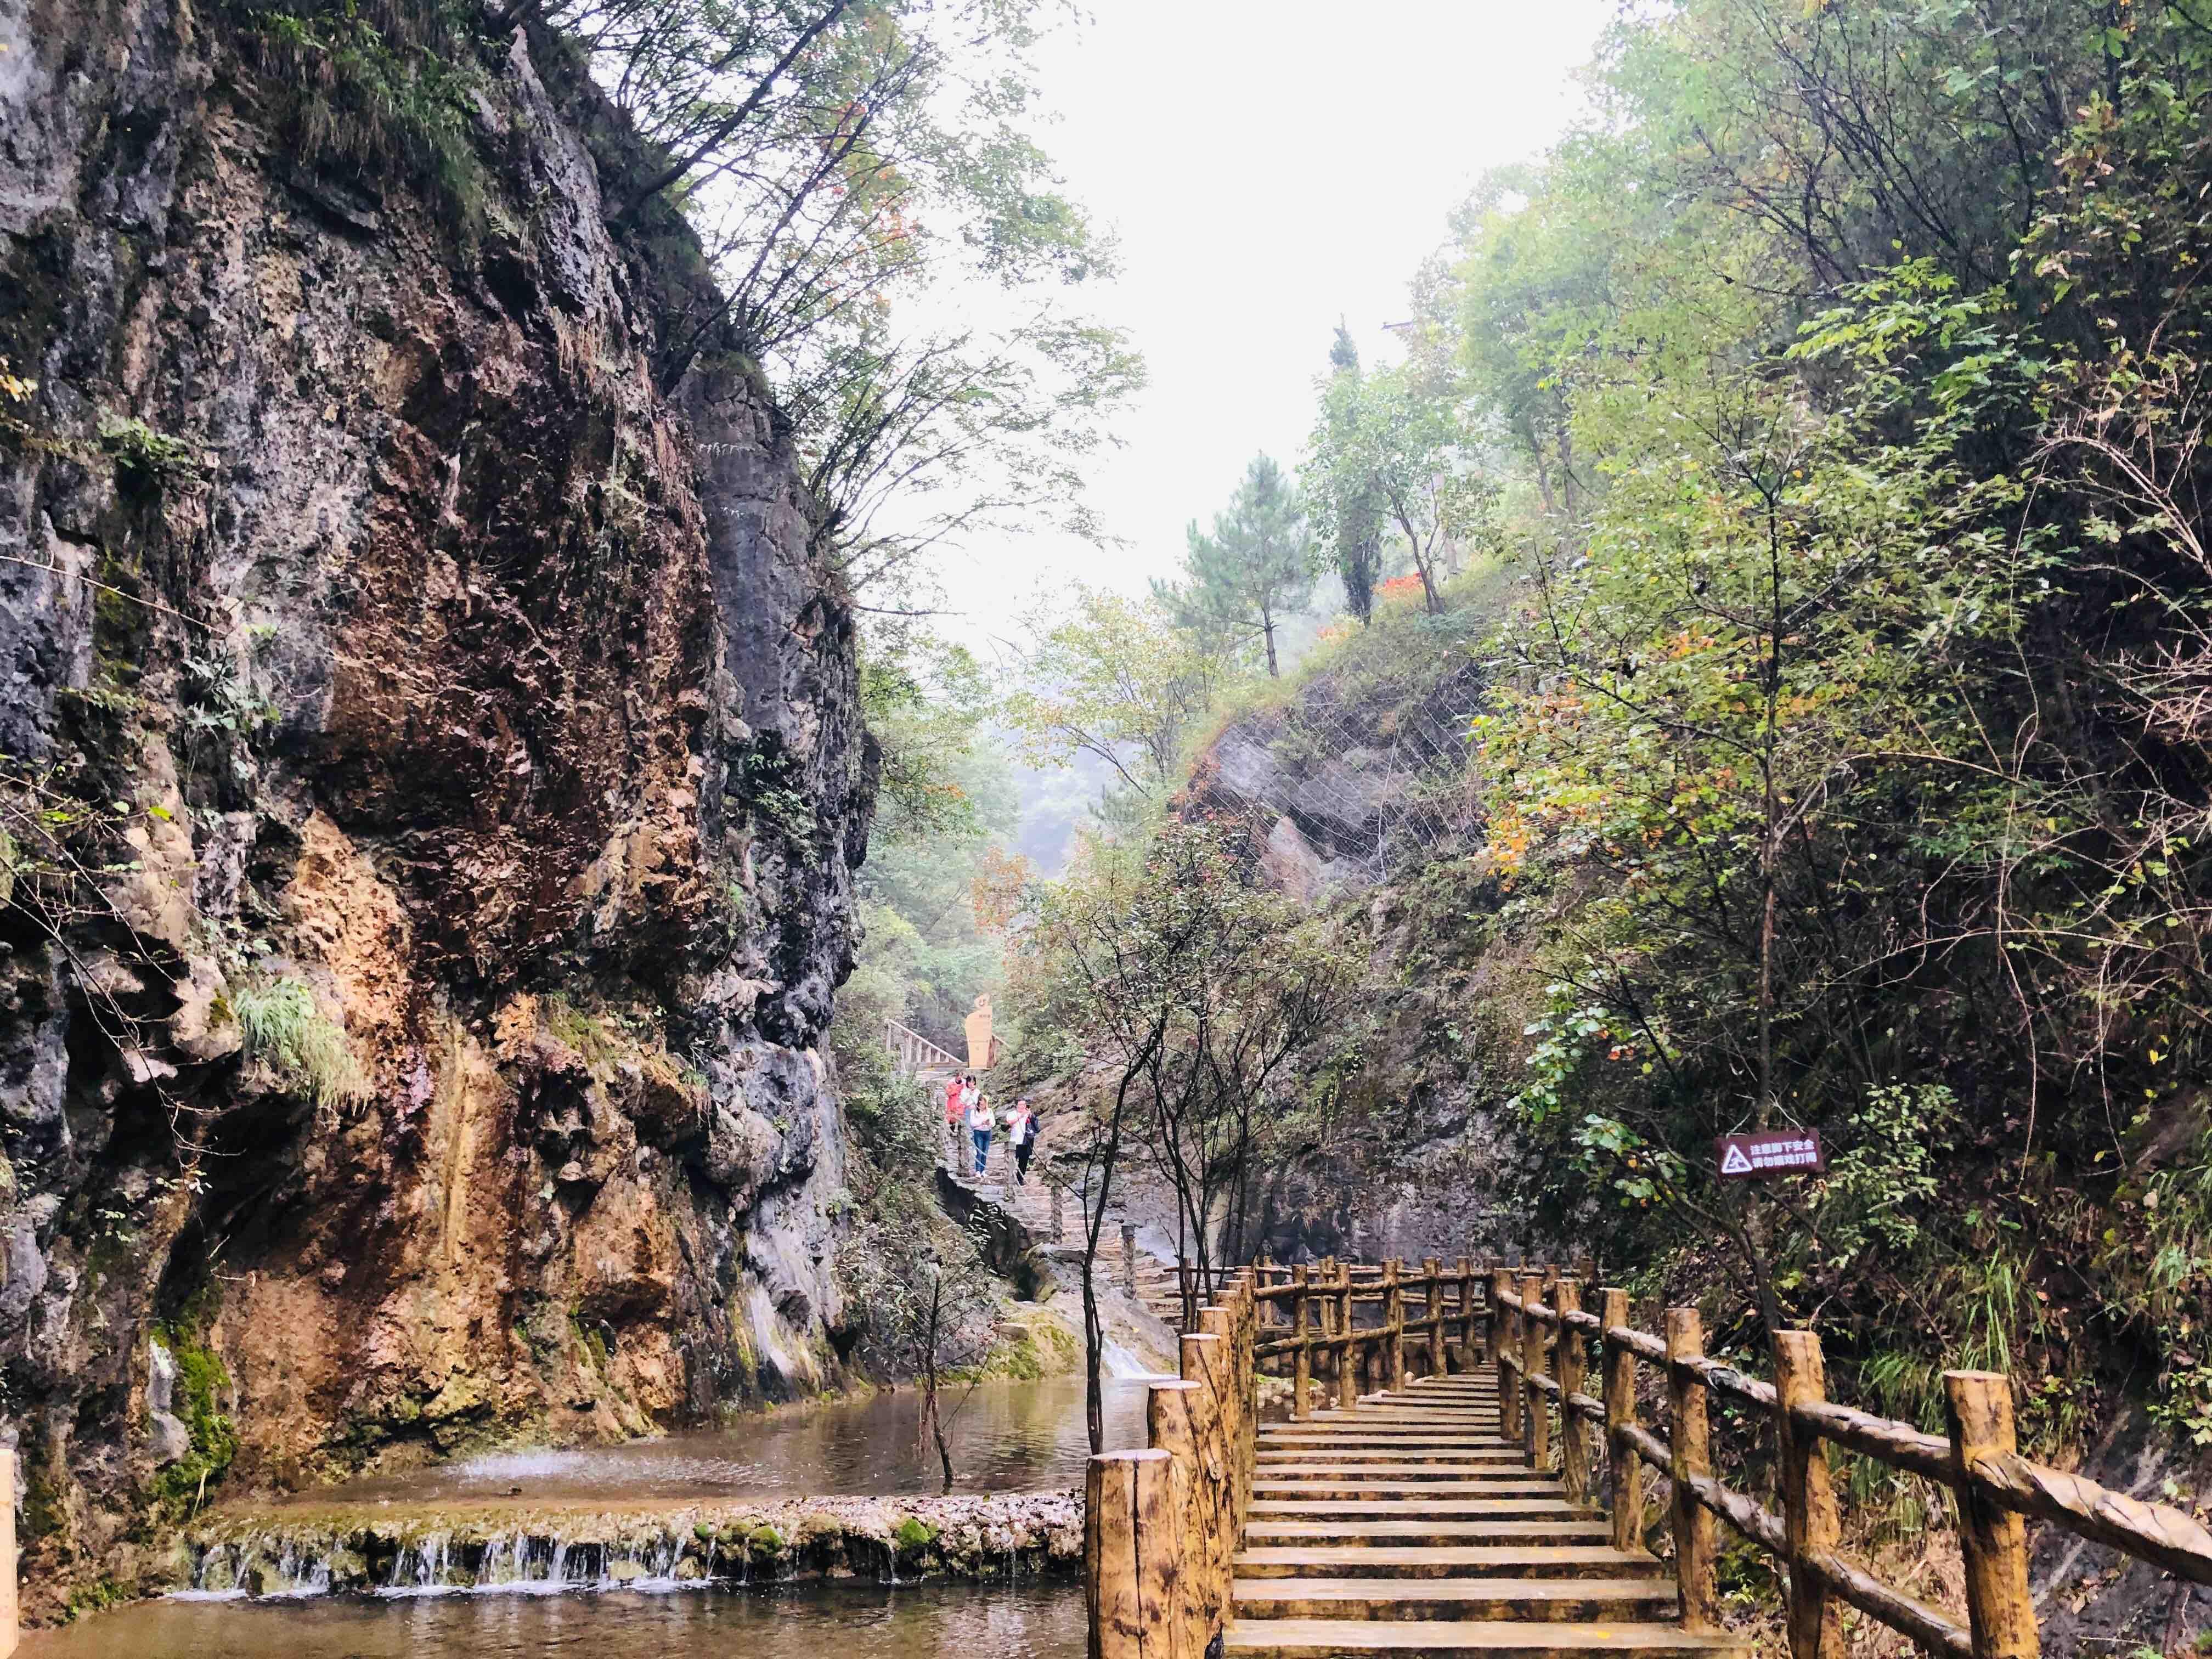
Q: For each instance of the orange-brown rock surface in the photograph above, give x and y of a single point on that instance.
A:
(387, 639)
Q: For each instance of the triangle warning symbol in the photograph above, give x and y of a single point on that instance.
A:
(1735, 1162)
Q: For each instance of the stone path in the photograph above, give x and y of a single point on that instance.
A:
(1408, 1526)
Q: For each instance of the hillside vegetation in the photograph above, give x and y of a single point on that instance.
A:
(1818, 429)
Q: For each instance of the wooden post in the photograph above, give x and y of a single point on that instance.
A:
(1132, 1546)
(1627, 1466)
(1992, 1541)
(1245, 1306)
(1536, 1429)
(1183, 1291)
(1347, 1372)
(1466, 1360)
(1504, 1344)
(1174, 1418)
(1574, 1442)
(8, 1590)
(1690, 1435)
(1436, 1307)
(1267, 1274)
(1809, 1519)
(1206, 1362)
(1301, 1356)
(1393, 1327)
(1220, 1322)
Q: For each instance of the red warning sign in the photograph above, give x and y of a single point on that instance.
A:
(1771, 1152)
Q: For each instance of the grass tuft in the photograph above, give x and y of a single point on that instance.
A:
(283, 1028)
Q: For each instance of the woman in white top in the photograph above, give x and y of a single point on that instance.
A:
(979, 1124)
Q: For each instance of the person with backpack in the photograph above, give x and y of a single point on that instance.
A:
(1023, 1133)
(980, 1125)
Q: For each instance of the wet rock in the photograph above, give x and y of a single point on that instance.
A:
(438, 656)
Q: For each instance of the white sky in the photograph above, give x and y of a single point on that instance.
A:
(1268, 165)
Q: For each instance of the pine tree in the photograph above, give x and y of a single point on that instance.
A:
(1256, 565)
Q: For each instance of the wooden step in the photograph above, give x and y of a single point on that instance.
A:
(1354, 1491)
(1350, 1434)
(1425, 1508)
(1272, 1455)
(1510, 1638)
(1397, 1472)
(1367, 1560)
(1354, 1534)
(1555, 1599)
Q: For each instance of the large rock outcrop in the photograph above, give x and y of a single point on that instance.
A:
(433, 776)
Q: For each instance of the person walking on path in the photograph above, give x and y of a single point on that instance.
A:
(980, 1126)
(1022, 1134)
(954, 1105)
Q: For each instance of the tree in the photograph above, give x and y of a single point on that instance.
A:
(1106, 956)
(846, 162)
(1387, 446)
(1256, 565)
(1115, 679)
(1352, 513)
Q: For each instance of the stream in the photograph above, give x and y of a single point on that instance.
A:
(1030, 1620)
(1005, 1437)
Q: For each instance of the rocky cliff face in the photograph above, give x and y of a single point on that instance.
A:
(1354, 789)
(433, 777)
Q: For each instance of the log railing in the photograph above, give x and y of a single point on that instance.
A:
(1162, 1524)
(1540, 1344)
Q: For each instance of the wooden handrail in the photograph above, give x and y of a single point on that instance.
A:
(1527, 1327)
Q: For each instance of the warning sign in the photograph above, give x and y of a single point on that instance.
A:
(1772, 1153)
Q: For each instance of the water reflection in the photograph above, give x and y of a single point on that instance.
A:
(854, 1621)
(1004, 1437)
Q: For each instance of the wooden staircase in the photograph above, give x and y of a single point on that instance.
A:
(1409, 1525)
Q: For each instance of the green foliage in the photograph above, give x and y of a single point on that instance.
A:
(284, 1028)
(1350, 508)
(913, 1534)
(939, 891)
(1386, 448)
(380, 83)
(147, 455)
(1257, 565)
(201, 1380)
(839, 162)
(1114, 678)
(771, 782)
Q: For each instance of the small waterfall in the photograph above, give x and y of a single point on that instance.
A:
(299, 1572)
(420, 1569)
(217, 1575)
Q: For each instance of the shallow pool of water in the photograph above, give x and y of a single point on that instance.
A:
(1004, 1437)
(1036, 1621)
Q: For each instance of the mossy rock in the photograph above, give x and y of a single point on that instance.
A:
(913, 1534)
(766, 1541)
